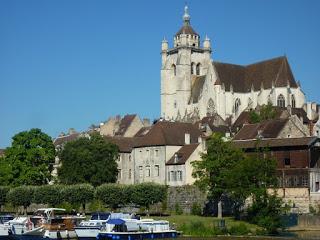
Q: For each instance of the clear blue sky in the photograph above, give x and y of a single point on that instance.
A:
(73, 63)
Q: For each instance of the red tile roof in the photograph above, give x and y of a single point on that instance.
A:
(125, 144)
(65, 139)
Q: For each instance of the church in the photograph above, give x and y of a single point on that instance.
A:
(194, 86)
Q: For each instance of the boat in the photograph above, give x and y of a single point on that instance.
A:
(133, 229)
(90, 229)
(49, 223)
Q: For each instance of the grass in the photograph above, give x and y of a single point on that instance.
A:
(208, 226)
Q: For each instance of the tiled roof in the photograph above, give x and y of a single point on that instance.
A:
(169, 133)
(275, 142)
(243, 78)
(196, 88)
(124, 124)
(186, 29)
(125, 144)
(267, 129)
(143, 131)
(215, 123)
(64, 139)
(183, 154)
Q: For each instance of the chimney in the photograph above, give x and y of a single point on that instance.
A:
(187, 138)
(146, 122)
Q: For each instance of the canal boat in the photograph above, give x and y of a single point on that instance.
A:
(133, 229)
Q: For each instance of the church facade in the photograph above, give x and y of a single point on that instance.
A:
(194, 86)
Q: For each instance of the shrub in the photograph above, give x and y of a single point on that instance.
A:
(3, 193)
(21, 196)
(146, 194)
(240, 229)
(48, 194)
(79, 194)
(178, 209)
(112, 195)
(196, 209)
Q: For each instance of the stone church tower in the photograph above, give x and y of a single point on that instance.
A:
(194, 86)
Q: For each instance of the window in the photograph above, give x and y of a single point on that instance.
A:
(237, 104)
(281, 102)
(148, 171)
(173, 176)
(130, 158)
(305, 181)
(293, 101)
(317, 187)
(119, 173)
(287, 162)
(198, 69)
(169, 177)
(140, 171)
(119, 158)
(174, 68)
(157, 170)
(192, 68)
(130, 173)
(179, 175)
(157, 153)
(175, 104)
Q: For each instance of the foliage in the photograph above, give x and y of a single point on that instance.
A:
(239, 229)
(212, 172)
(21, 196)
(78, 194)
(88, 160)
(265, 112)
(48, 194)
(6, 173)
(266, 211)
(29, 159)
(196, 209)
(178, 210)
(112, 195)
(3, 194)
(146, 194)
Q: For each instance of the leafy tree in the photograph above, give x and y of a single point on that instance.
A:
(21, 196)
(48, 194)
(78, 194)
(6, 173)
(29, 160)
(3, 195)
(213, 170)
(113, 194)
(266, 112)
(146, 194)
(88, 160)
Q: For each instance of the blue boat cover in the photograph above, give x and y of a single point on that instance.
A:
(116, 221)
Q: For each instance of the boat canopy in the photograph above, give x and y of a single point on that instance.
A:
(116, 221)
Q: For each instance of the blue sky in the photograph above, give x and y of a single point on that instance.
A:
(73, 63)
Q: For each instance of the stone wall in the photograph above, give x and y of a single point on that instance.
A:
(185, 197)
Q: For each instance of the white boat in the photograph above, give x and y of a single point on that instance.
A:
(132, 229)
(91, 228)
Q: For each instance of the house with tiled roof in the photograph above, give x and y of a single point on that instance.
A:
(194, 86)
(298, 169)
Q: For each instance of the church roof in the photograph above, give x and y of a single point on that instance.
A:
(275, 71)
(186, 29)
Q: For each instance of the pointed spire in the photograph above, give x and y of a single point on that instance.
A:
(186, 16)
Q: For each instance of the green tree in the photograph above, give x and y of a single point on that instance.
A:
(6, 173)
(213, 170)
(113, 195)
(48, 194)
(265, 112)
(3, 195)
(21, 196)
(29, 159)
(88, 160)
(78, 194)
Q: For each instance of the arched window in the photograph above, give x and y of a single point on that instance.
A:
(237, 104)
(281, 102)
(210, 108)
(293, 101)
(174, 68)
(192, 67)
(198, 69)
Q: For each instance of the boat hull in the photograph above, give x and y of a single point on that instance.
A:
(136, 235)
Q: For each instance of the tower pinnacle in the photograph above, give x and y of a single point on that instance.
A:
(186, 16)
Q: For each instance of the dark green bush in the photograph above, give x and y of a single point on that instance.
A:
(79, 194)
(196, 209)
(21, 196)
(146, 194)
(48, 194)
(112, 195)
(178, 210)
(240, 229)
(3, 194)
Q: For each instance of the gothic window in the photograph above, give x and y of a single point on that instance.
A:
(237, 104)
(210, 108)
(293, 101)
(174, 68)
(192, 68)
(281, 102)
(198, 69)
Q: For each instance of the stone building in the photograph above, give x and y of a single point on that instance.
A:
(298, 168)
(194, 86)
